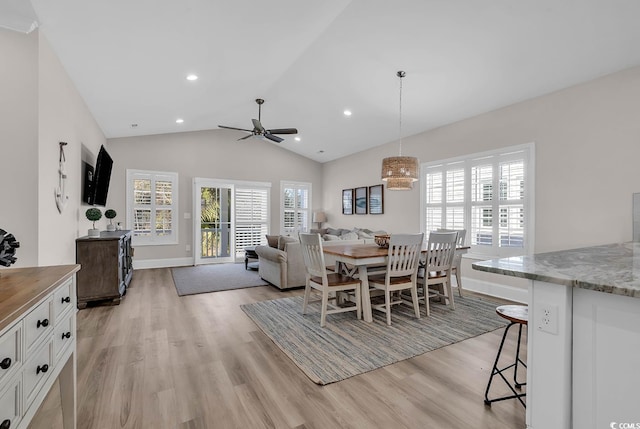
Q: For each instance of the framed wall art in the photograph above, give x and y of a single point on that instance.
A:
(347, 201)
(376, 199)
(361, 200)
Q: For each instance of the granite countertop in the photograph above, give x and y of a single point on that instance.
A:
(611, 268)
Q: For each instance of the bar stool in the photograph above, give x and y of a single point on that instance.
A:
(517, 315)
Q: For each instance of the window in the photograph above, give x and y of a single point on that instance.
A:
(296, 201)
(489, 194)
(252, 217)
(152, 207)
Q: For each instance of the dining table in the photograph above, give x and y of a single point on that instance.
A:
(364, 257)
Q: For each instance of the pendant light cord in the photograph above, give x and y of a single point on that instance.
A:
(400, 74)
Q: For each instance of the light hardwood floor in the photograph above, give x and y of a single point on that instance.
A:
(161, 361)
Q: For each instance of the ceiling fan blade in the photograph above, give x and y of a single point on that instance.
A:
(233, 128)
(283, 131)
(273, 138)
(258, 126)
(245, 137)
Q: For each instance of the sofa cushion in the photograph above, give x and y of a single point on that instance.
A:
(272, 241)
(283, 240)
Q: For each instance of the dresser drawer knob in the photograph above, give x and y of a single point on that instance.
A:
(43, 368)
(43, 323)
(5, 364)
(67, 299)
(5, 424)
(66, 335)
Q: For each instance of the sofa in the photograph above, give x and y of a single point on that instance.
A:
(281, 262)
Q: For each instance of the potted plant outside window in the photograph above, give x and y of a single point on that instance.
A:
(94, 214)
(110, 214)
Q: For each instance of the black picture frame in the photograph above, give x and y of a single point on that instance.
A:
(376, 199)
(360, 201)
(347, 201)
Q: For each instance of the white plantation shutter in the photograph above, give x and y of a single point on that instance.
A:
(252, 217)
(152, 201)
(296, 207)
(488, 194)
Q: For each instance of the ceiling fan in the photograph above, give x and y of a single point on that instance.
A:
(259, 130)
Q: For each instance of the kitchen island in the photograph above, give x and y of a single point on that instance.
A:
(584, 335)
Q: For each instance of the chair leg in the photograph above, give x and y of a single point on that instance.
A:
(305, 301)
(459, 281)
(426, 298)
(387, 301)
(449, 289)
(323, 311)
(358, 302)
(414, 298)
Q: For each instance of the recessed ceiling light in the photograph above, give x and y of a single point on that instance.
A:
(320, 151)
(192, 77)
(297, 138)
(347, 112)
(179, 121)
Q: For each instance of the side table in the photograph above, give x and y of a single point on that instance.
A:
(250, 253)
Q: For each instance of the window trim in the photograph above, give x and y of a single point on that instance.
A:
(153, 240)
(292, 183)
(482, 252)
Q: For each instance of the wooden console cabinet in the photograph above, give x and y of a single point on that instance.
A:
(107, 267)
(37, 342)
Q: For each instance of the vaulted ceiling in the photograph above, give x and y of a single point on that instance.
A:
(311, 61)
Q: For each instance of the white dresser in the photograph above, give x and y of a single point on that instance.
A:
(37, 342)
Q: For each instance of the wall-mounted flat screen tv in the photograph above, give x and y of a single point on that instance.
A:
(99, 187)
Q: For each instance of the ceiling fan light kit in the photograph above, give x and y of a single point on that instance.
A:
(400, 172)
(259, 130)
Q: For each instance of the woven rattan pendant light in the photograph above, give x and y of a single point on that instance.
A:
(400, 171)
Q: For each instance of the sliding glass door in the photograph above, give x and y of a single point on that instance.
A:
(228, 217)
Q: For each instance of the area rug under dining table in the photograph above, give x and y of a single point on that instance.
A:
(346, 346)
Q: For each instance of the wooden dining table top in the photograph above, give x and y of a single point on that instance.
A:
(362, 251)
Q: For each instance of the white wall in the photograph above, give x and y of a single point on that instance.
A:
(19, 142)
(63, 116)
(39, 107)
(214, 154)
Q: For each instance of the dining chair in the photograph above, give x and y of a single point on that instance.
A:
(401, 274)
(437, 267)
(457, 257)
(327, 283)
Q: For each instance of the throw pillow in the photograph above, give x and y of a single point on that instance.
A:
(333, 231)
(349, 236)
(272, 241)
(330, 237)
(283, 239)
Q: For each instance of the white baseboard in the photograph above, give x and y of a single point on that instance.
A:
(161, 263)
(495, 289)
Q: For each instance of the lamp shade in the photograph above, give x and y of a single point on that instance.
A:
(400, 172)
(319, 217)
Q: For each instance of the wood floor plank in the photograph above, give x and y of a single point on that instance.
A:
(162, 361)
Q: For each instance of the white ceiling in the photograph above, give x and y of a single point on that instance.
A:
(311, 60)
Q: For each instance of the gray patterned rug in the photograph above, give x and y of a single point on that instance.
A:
(214, 278)
(346, 346)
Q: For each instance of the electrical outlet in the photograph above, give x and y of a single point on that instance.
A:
(547, 318)
(188, 248)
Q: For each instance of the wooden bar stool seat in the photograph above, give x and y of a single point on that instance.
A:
(517, 315)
